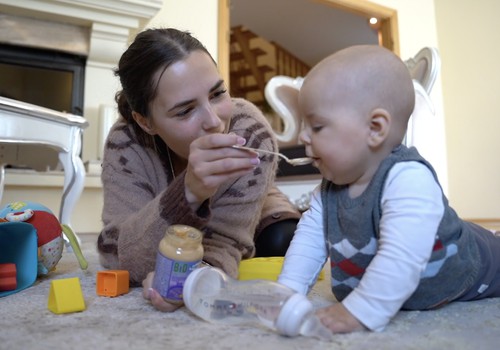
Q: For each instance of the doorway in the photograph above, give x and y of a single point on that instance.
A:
(387, 25)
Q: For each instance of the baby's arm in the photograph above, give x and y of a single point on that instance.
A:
(412, 209)
(303, 262)
(307, 253)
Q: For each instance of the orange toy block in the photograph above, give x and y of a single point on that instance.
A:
(112, 283)
(8, 279)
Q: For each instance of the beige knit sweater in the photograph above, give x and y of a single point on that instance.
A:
(141, 200)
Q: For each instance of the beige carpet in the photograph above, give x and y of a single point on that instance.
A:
(129, 322)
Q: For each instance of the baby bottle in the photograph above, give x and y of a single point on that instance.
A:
(179, 252)
(215, 297)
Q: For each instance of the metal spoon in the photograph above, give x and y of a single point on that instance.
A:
(294, 161)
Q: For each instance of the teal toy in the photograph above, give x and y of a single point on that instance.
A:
(30, 229)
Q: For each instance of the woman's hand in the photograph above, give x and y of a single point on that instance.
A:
(154, 297)
(213, 161)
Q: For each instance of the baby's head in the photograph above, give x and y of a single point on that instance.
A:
(357, 103)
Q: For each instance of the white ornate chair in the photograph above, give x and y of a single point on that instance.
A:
(281, 93)
(424, 68)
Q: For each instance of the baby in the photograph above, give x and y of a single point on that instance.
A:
(380, 214)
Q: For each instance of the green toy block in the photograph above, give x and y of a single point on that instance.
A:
(66, 296)
(112, 283)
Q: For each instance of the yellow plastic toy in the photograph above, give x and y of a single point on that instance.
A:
(66, 296)
(263, 268)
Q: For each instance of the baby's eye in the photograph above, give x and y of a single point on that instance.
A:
(316, 128)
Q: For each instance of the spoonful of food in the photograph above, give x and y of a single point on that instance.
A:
(294, 161)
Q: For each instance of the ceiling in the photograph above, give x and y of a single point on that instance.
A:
(309, 30)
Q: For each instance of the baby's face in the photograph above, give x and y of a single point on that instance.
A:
(335, 132)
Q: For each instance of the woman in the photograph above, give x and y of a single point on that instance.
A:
(170, 160)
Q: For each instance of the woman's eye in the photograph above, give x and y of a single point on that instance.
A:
(184, 112)
(219, 93)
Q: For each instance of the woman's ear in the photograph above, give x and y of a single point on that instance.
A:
(380, 124)
(145, 123)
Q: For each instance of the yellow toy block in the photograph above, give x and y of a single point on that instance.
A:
(112, 283)
(66, 296)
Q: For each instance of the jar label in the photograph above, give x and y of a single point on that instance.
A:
(170, 276)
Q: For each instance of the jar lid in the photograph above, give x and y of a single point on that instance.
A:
(184, 236)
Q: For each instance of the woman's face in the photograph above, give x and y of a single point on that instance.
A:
(191, 101)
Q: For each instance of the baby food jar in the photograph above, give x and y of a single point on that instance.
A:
(179, 252)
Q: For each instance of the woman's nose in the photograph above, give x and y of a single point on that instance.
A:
(211, 118)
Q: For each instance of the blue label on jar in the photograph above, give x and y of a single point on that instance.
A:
(170, 276)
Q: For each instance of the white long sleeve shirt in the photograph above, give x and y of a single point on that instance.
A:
(412, 209)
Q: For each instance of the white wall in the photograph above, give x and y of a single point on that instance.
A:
(466, 34)
(195, 16)
(469, 33)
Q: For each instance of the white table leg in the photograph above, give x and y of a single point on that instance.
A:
(2, 180)
(74, 177)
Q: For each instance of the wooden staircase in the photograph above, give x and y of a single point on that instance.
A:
(254, 60)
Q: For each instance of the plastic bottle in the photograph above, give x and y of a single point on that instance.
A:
(179, 252)
(215, 297)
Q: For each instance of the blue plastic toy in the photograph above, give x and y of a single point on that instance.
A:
(31, 237)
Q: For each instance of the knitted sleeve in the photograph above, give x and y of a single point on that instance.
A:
(236, 208)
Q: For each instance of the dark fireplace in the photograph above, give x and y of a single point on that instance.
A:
(47, 78)
(43, 77)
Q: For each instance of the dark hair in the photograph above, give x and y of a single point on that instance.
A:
(151, 50)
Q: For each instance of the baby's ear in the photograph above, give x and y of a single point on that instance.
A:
(380, 122)
(144, 123)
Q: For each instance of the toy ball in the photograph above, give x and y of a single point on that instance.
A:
(48, 229)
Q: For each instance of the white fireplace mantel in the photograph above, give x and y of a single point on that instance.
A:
(110, 22)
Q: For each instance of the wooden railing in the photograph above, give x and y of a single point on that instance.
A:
(288, 64)
(248, 75)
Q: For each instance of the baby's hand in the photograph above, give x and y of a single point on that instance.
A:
(338, 319)
(154, 297)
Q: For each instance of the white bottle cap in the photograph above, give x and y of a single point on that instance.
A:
(293, 314)
(207, 279)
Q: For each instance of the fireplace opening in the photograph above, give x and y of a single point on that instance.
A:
(46, 78)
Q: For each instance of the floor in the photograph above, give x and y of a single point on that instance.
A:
(129, 322)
